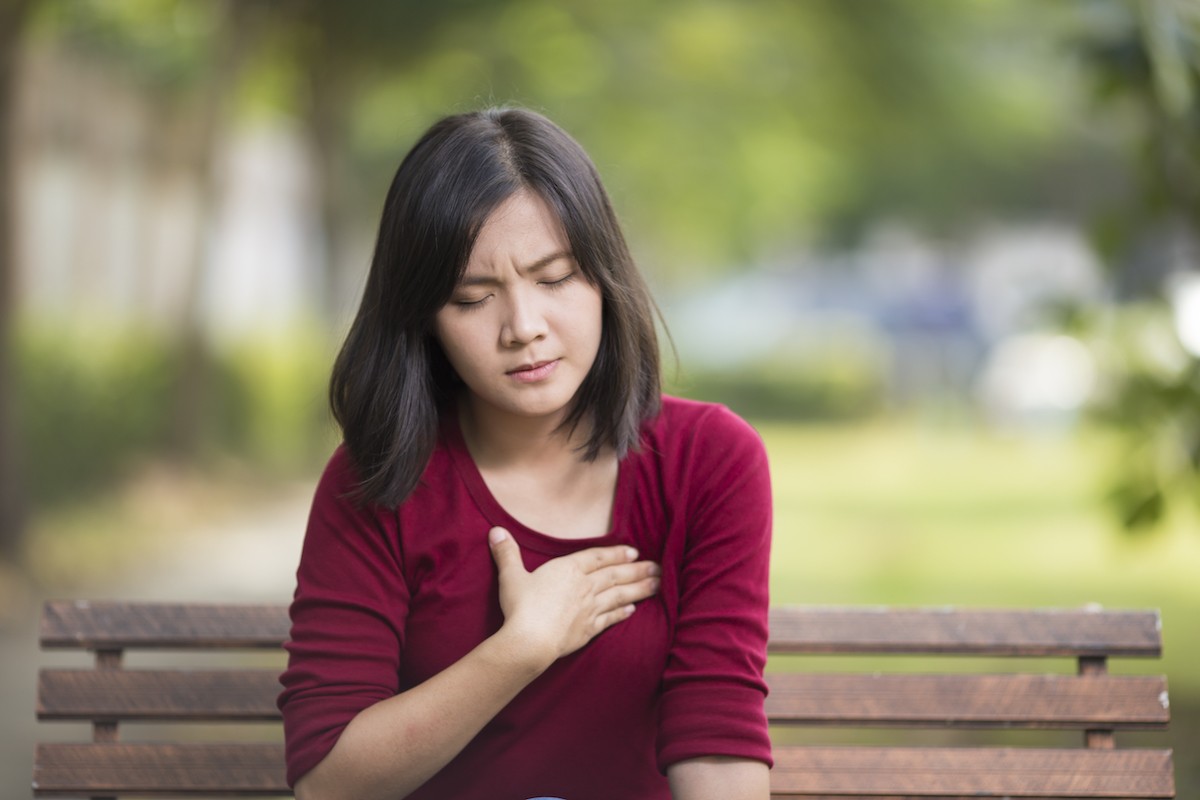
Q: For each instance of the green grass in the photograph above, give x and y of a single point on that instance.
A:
(898, 514)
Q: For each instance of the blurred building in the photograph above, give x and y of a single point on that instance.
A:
(972, 324)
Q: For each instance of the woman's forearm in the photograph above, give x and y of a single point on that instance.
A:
(393, 747)
(396, 745)
(719, 778)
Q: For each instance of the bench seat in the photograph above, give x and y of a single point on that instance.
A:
(941, 696)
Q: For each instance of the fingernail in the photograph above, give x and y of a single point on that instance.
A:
(655, 569)
(654, 584)
(497, 535)
(630, 553)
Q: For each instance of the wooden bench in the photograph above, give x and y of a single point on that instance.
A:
(1080, 697)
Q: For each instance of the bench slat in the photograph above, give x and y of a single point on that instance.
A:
(161, 770)
(1030, 701)
(184, 695)
(1056, 701)
(1070, 633)
(189, 626)
(257, 769)
(971, 772)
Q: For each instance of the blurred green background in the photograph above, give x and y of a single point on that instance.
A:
(944, 254)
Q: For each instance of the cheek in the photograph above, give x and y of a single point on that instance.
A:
(595, 317)
(462, 342)
(450, 339)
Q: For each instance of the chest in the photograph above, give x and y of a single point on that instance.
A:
(453, 602)
(575, 502)
(446, 623)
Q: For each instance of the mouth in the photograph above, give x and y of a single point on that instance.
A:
(536, 371)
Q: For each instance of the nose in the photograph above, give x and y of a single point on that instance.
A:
(524, 322)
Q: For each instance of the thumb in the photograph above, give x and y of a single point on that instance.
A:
(505, 550)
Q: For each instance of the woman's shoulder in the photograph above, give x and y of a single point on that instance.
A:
(688, 430)
(339, 474)
(698, 418)
(342, 477)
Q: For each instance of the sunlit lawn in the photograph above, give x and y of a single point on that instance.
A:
(904, 514)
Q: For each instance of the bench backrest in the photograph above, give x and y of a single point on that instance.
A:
(802, 703)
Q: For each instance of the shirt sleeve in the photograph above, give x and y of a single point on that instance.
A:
(713, 687)
(348, 616)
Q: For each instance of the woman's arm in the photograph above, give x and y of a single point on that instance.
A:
(713, 687)
(394, 746)
(719, 778)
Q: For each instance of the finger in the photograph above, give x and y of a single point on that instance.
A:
(595, 558)
(608, 619)
(505, 551)
(627, 594)
(615, 575)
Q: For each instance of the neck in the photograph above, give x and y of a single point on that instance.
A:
(503, 440)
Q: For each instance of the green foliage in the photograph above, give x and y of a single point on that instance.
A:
(91, 412)
(1146, 65)
(1153, 402)
(276, 411)
(730, 132)
(831, 392)
(86, 415)
(163, 44)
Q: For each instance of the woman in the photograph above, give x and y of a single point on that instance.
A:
(526, 573)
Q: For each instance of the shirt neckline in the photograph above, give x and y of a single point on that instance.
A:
(496, 514)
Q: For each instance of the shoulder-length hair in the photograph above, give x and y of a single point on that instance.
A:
(391, 380)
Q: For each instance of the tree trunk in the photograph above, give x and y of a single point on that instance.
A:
(193, 386)
(12, 497)
(327, 119)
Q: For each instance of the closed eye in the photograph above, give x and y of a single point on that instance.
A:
(558, 283)
(470, 305)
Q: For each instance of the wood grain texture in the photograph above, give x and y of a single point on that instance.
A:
(142, 695)
(1070, 633)
(1009, 701)
(160, 770)
(793, 629)
(81, 624)
(971, 772)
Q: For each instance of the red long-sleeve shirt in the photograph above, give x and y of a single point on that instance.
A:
(388, 598)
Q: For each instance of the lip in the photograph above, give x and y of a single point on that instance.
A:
(533, 372)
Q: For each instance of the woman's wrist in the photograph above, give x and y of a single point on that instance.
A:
(510, 649)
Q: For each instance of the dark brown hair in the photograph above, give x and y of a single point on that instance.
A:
(391, 380)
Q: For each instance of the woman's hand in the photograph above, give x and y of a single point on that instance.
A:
(563, 604)
(394, 746)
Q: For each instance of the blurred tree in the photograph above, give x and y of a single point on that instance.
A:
(13, 15)
(315, 61)
(1145, 61)
(237, 26)
(341, 49)
(186, 57)
(733, 133)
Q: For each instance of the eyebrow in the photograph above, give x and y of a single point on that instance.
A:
(541, 263)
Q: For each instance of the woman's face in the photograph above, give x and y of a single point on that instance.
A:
(522, 328)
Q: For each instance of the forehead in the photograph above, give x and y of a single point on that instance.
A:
(523, 229)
